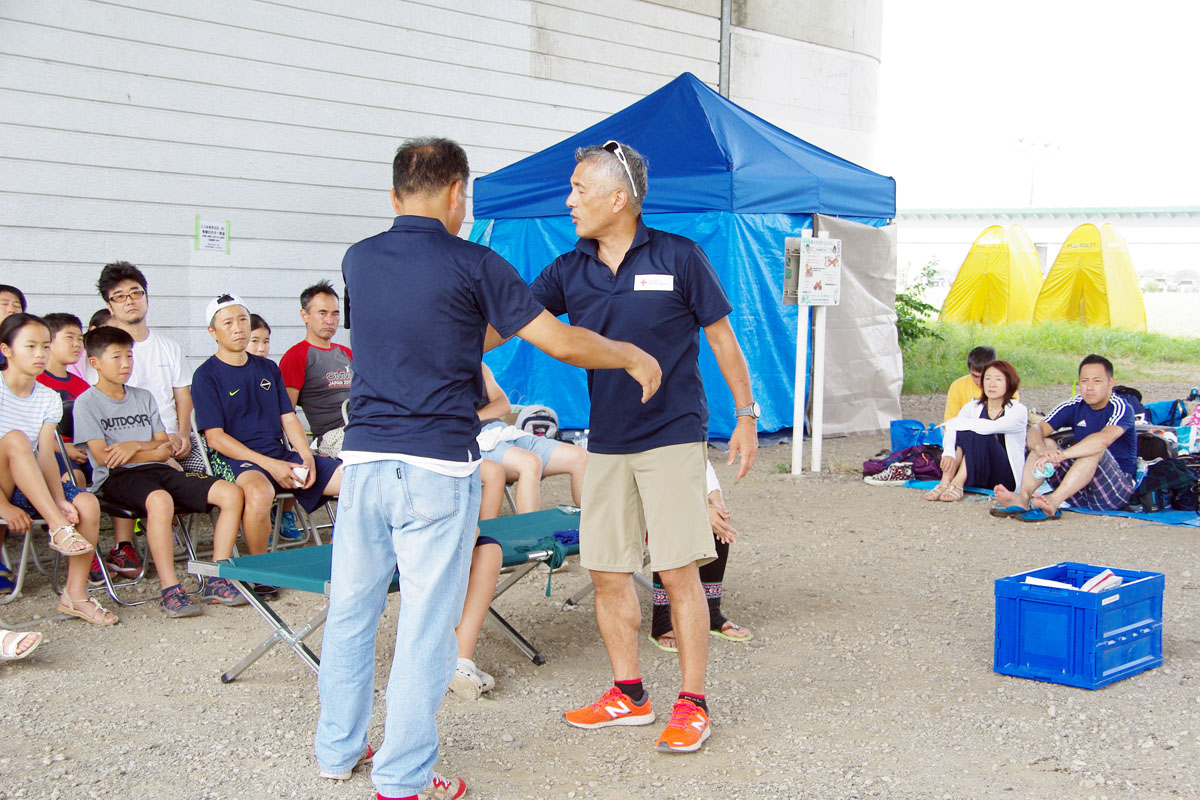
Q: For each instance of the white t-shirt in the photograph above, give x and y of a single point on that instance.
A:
(158, 367)
(28, 414)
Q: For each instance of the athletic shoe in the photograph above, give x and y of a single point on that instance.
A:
(175, 603)
(466, 682)
(489, 682)
(222, 590)
(288, 531)
(443, 789)
(893, 475)
(365, 758)
(124, 561)
(614, 708)
(469, 681)
(95, 575)
(687, 730)
(264, 592)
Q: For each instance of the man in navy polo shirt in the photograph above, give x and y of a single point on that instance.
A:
(419, 302)
(1098, 472)
(647, 463)
(244, 412)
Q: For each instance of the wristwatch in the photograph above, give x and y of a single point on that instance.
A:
(752, 411)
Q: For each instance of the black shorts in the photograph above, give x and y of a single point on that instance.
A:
(130, 486)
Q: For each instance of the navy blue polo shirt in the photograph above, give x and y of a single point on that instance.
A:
(418, 302)
(1085, 420)
(247, 402)
(664, 291)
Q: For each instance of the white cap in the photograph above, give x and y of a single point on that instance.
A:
(222, 301)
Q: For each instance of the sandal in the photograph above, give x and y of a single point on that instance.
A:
(728, 629)
(657, 641)
(96, 616)
(936, 492)
(951, 494)
(10, 642)
(66, 540)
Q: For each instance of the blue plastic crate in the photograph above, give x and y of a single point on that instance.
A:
(1078, 638)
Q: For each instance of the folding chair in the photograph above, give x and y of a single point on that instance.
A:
(308, 570)
(28, 556)
(116, 511)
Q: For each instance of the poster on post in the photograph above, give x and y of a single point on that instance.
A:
(820, 273)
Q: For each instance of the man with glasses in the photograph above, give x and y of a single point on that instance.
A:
(646, 469)
(158, 367)
(421, 304)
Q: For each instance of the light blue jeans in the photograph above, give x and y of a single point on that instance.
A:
(390, 515)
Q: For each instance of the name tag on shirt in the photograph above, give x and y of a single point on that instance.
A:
(654, 283)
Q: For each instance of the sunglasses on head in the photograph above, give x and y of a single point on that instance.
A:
(614, 147)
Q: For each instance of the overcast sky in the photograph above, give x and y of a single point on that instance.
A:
(1051, 103)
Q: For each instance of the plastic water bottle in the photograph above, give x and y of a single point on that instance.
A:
(582, 439)
(1043, 471)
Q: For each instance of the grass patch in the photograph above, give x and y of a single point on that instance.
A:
(1049, 354)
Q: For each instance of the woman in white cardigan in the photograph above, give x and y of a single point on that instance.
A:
(984, 446)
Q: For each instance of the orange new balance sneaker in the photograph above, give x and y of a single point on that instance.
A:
(687, 730)
(614, 708)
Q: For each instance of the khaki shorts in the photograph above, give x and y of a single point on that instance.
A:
(657, 497)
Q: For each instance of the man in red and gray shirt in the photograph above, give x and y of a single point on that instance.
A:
(316, 371)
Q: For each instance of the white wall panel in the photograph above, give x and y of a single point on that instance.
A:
(121, 120)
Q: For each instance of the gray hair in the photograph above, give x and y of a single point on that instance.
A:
(633, 182)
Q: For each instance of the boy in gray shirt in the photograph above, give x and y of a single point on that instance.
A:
(133, 467)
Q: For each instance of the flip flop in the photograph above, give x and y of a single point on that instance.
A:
(1005, 512)
(1037, 515)
(721, 634)
(660, 645)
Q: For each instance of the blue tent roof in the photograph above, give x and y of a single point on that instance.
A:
(705, 154)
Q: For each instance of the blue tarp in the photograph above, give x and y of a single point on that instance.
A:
(719, 175)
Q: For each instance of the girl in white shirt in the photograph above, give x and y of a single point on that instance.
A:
(29, 474)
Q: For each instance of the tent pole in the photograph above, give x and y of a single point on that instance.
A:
(818, 385)
(802, 323)
(726, 24)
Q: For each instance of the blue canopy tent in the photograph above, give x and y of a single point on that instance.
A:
(719, 175)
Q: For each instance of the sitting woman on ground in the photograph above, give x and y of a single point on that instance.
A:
(712, 576)
(29, 476)
(984, 446)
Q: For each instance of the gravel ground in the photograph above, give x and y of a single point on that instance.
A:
(869, 675)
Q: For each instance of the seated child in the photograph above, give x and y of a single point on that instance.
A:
(98, 319)
(30, 481)
(66, 343)
(244, 412)
(526, 458)
(260, 337)
(260, 345)
(984, 445)
(133, 467)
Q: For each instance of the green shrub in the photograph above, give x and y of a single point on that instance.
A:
(913, 314)
(1047, 354)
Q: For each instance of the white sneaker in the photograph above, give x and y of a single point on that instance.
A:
(488, 681)
(466, 682)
